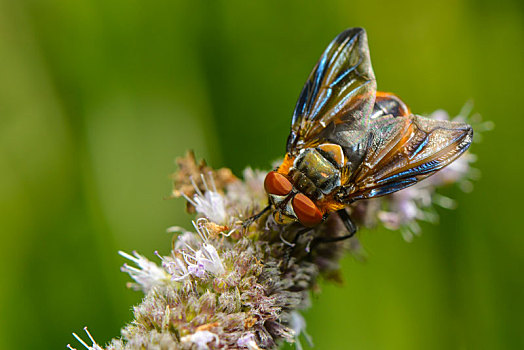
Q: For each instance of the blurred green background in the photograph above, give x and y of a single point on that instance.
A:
(98, 97)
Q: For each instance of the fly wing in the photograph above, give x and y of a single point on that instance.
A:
(340, 89)
(403, 150)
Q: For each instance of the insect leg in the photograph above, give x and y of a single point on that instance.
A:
(346, 220)
(255, 217)
(292, 246)
(350, 226)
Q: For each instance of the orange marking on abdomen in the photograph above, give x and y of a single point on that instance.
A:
(403, 109)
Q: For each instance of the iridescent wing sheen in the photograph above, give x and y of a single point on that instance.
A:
(340, 90)
(402, 150)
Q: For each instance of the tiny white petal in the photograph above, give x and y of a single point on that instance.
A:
(440, 114)
(214, 264)
(148, 274)
(201, 339)
(95, 346)
(248, 341)
(211, 203)
(298, 323)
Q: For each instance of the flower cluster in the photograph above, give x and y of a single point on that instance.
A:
(227, 286)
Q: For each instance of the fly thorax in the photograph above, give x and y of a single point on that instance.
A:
(315, 173)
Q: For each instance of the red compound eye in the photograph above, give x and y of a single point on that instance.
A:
(277, 184)
(307, 212)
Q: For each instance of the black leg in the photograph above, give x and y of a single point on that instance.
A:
(291, 246)
(298, 234)
(255, 217)
(350, 226)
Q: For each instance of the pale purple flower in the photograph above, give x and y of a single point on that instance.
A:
(199, 258)
(227, 286)
(176, 268)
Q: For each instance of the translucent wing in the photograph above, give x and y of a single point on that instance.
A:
(340, 89)
(402, 150)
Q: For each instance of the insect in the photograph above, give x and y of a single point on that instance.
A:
(350, 142)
